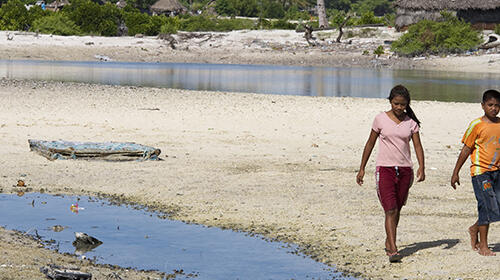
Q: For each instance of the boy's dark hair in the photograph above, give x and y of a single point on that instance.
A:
(403, 91)
(491, 93)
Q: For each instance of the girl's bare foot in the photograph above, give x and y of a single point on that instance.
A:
(485, 251)
(473, 232)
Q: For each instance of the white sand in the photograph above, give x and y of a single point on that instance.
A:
(283, 166)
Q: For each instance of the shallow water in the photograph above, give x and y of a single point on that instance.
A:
(146, 240)
(269, 79)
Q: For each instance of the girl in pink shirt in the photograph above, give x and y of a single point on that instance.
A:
(394, 168)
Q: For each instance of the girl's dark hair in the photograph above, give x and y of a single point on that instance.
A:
(402, 91)
(491, 93)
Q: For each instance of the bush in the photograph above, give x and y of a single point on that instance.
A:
(136, 22)
(369, 18)
(429, 37)
(14, 16)
(93, 18)
(171, 26)
(272, 9)
(234, 24)
(294, 14)
(248, 8)
(198, 23)
(283, 24)
(57, 23)
(378, 7)
(379, 50)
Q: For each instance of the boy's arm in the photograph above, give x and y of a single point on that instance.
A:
(370, 143)
(417, 144)
(462, 157)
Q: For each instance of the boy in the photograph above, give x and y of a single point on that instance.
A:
(481, 142)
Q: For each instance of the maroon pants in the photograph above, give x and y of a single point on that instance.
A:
(393, 184)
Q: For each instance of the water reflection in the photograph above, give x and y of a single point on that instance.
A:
(146, 240)
(269, 79)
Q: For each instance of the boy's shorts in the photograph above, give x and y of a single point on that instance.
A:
(393, 185)
(487, 191)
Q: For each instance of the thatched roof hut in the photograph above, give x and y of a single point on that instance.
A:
(482, 14)
(169, 7)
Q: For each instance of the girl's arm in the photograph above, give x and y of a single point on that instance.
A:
(370, 143)
(462, 157)
(420, 156)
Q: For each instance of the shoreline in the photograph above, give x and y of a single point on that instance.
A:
(275, 47)
(280, 166)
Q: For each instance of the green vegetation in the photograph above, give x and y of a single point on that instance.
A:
(379, 50)
(497, 29)
(14, 16)
(58, 24)
(428, 37)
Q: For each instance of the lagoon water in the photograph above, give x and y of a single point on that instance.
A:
(146, 240)
(268, 79)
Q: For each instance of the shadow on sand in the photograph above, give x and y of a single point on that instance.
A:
(413, 248)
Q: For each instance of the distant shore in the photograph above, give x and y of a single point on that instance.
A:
(280, 47)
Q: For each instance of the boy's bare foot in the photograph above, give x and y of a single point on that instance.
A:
(485, 251)
(473, 232)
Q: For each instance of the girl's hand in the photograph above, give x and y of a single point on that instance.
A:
(359, 177)
(455, 180)
(420, 175)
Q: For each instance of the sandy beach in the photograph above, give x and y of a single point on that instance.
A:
(280, 166)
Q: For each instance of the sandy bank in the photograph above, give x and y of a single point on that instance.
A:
(282, 166)
(283, 47)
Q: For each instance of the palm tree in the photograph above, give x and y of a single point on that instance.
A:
(323, 22)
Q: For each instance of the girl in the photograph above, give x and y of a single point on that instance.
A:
(394, 173)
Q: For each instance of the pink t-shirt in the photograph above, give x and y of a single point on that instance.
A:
(394, 140)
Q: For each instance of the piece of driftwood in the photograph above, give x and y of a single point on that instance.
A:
(341, 32)
(113, 151)
(350, 26)
(308, 35)
(60, 273)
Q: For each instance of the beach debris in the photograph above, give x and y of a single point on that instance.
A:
(57, 228)
(492, 42)
(341, 32)
(149, 109)
(138, 35)
(75, 208)
(169, 39)
(110, 151)
(56, 272)
(113, 275)
(20, 183)
(308, 35)
(10, 36)
(89, 43)
(20, 193)
(85, 243)
(102, 57)
(122, 29)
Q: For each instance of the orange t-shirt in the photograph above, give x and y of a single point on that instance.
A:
(484, 140)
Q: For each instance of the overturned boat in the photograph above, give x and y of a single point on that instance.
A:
(111, 151)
